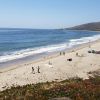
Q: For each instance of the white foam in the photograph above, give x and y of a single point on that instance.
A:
(51, 48)
(28, 52)
(84, 40)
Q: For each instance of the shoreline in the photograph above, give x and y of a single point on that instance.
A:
(45, 56)
(59, 69)
(20, 56)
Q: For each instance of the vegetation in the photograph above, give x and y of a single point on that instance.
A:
(76, 89)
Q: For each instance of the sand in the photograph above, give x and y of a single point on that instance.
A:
(53, 68)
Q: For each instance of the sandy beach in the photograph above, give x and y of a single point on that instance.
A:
(53, 68)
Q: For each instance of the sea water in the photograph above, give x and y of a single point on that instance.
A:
(20, 43)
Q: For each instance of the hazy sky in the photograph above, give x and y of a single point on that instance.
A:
(48, 13)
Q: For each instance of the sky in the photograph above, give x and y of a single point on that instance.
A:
(48, 14)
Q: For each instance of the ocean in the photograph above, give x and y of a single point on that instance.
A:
(20, 43)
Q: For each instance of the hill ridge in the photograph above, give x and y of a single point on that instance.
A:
(94, 26)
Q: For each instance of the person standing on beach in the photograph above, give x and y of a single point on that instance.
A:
(60, 53)
(64, 53)
(77, 54)
(33, 70)
(38, 69)
(89, 44)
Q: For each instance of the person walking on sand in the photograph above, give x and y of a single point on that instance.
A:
(38, 69)
(64, 53)
(50, 63)
(77, 54)
(33, 70)
(60, 53)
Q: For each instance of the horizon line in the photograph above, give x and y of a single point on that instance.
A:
(46, 28)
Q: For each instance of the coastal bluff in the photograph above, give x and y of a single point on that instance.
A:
(95, 26)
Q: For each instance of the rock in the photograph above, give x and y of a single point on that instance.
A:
(62, 98)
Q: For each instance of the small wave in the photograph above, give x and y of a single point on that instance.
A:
(28, 52)
(50, 48)
(84, 40)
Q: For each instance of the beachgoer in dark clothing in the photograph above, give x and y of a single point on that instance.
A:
(60, 53)
(38, 69)
(33, 70)
(63, 53)
(76, 54)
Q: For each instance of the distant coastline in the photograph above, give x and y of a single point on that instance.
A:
(95, 26)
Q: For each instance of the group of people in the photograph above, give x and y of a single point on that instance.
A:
(38, 70)
(62, 53)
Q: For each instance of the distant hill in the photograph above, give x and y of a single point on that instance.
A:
(89, 26)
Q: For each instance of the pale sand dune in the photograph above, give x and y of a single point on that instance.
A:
(59, 70)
